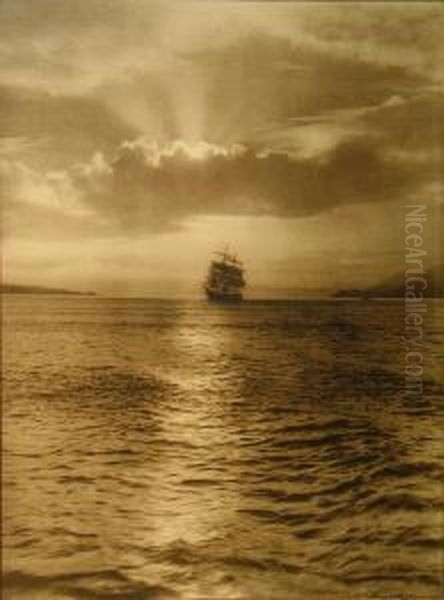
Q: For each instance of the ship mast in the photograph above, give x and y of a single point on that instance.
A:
(227, 257)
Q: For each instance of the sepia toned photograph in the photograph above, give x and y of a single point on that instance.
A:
(222, 248)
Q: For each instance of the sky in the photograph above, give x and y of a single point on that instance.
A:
(138, 137)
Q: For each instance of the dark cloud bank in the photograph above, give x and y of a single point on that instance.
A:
(152, 190)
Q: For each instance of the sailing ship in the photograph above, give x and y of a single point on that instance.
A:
(225, 280)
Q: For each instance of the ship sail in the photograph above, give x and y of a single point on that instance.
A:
(225, 280)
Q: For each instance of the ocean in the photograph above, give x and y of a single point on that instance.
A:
(177, 449)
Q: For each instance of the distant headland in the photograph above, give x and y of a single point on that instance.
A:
(9, 288)
(395, 287)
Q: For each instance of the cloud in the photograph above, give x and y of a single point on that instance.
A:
(410, 127)
(95, 74)
(80, 44)
(234, 66)
(400, 34)
(72, 45)
(303, 110)
(181, 180)
(58, 129)
(41, 205)
(149, 188)
(414, 126)
(261, 79)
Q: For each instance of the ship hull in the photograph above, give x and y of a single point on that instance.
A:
(217, 296)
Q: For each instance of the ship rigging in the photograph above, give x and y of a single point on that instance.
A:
(225, 280)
